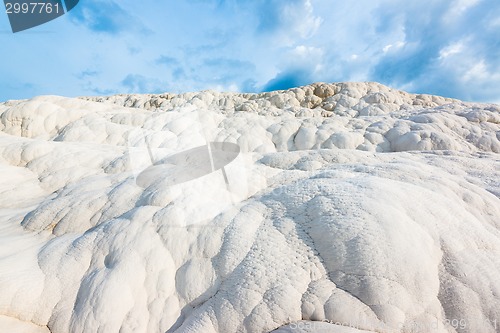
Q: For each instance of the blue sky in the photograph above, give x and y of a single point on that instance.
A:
(442, 47)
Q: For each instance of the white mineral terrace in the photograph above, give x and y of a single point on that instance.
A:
(344, 208)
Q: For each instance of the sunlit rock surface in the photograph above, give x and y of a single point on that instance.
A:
(347, 208)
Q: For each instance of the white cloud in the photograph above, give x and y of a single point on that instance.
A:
(452, 49)
(306, 23)
(393, 47)
(458, 8)
(308, 52)
(495, 23)
(479, 72)
(404, 45)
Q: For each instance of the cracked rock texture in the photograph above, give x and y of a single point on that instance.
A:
(351, 207)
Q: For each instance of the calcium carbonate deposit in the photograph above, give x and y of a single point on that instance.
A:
(343, 208)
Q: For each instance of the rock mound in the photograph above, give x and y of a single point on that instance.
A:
(349, 207)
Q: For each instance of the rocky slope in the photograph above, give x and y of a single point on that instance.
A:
(347, 207)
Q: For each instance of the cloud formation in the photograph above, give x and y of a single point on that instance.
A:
(443, 47)
(105, 17)
(450, 48)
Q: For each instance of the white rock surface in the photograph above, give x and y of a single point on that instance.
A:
(352, 207)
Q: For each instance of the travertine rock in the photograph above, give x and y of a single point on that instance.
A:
(351, 207)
